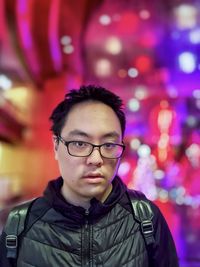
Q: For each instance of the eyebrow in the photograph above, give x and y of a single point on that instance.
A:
(84, 134)
(77, 133)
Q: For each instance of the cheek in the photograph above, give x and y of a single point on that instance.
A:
(113, 166)
(69, 166)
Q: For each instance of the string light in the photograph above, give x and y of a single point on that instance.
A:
(103, 67)
(68, 49)
(5, 82)
(132, 72)
(187, 62)
(105, 19)
(186, 16)
(134, 104)
(113, 45)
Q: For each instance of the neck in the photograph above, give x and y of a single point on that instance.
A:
(84, 201)
(102, 198)
(81, 201)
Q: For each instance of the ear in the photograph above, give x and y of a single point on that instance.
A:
(55, 145)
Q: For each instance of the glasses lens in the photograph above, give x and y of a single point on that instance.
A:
(110, 150)
(79, 149)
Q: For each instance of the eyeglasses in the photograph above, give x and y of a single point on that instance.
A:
(85, 149)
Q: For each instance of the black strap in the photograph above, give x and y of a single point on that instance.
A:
(14, 227)
(19, 223)
(143, 213)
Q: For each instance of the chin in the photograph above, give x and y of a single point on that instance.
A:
(99, 193)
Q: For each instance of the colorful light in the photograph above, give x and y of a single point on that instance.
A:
(141, 92)
(143, 63)
(124, 168)
(128, 22)
(133, 72)
(187, 62)
(172, 91)
(103, 67)
(163, 195)
(68, 49)
(197, 103)
(144, 151)
(53, 33)
(5, 82)
(66, 40)
(159, 174)
(122, 73)
(191, 121)
(113, 45)
(135, 144)
(105, 19)
(194, 36)
(144, 14)
(196, 93)
(186, 16)
(134, 104)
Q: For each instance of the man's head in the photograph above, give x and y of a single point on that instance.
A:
(86, 93)
(88, 128)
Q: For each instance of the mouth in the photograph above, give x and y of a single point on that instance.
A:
(93, 177)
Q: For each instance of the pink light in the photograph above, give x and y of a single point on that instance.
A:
(24, 18)
(53, 34)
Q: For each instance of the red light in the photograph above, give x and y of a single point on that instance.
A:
(143, 63)
(128, 23)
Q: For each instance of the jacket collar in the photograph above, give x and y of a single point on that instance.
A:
(97, 210)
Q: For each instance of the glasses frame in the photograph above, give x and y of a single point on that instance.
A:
(66, 143)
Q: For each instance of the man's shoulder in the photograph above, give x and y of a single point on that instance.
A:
(25, 214)
(6, 211)
(136, 195)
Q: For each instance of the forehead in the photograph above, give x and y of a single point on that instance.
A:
(92, 117)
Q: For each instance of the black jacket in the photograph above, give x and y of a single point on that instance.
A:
(108, 235)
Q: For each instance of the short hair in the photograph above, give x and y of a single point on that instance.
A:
(84, 94)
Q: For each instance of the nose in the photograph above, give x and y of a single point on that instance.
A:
(95, 157)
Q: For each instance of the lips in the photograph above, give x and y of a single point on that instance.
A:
(93, 178)
(93, 175)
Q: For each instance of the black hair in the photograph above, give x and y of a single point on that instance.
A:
(83, 94)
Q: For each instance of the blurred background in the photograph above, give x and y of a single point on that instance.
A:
(148, 52)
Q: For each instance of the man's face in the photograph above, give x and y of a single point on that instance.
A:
(91, 176)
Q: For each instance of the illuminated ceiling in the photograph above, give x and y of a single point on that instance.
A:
(143, 50)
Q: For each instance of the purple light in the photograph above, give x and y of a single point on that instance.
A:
(22, 6)
(53, 34)
(24, 27)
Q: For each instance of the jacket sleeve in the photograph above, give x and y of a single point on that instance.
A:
(163, 252)
(4, 262)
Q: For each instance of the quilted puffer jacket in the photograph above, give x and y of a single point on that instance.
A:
(105, 235)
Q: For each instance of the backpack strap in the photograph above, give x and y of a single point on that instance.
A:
(143, 214)
(14, 227)
(19, 223)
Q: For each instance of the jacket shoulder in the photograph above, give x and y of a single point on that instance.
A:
(135, 194)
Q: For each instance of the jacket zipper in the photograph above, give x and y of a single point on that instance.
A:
(86, 242)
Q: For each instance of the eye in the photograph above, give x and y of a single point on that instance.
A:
(79, 144)
(109, 146)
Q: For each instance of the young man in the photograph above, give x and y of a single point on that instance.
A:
(87, 216)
